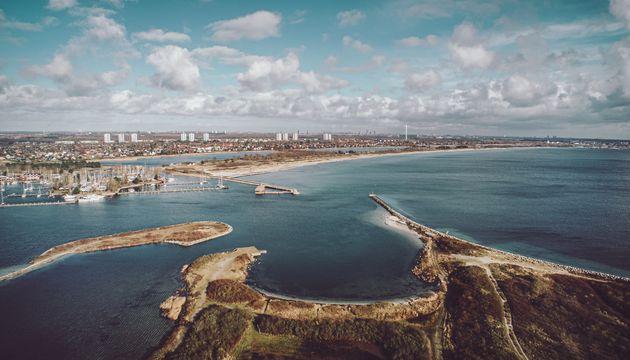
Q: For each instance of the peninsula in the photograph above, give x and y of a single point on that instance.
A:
(485, 303)
(186, 234)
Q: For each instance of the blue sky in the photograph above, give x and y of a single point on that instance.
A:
(449, 67)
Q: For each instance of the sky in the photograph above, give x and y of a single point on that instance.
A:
(495, 67)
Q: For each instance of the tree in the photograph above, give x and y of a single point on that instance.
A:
(76, 190)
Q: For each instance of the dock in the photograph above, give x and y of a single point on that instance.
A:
(260, 188)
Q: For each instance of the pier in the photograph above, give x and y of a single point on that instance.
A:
(260, 188)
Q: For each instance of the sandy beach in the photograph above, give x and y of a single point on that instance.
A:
(257, 169)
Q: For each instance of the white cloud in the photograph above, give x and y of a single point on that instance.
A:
(621, 10)
(356, 44)
(26, 26)
(103, 28)
(520, 91)
(61, 4)
(60, 68)
(423, 81)
(413, 41)
(159, 35)
(467, 49)
(266, 73)
(255, 26)
(350, 17)
(174, 68)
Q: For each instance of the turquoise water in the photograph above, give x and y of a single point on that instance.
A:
(566, 205)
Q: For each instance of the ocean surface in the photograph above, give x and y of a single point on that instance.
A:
(565, 205)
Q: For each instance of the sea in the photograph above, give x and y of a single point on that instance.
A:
(330, 243)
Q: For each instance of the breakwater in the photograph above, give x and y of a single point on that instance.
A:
(423, 229)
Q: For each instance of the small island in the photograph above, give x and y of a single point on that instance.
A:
(186, 234)
(485, 303)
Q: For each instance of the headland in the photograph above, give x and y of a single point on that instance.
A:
(485, 304)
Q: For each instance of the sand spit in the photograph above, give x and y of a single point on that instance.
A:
(257, 168)
(186, 234)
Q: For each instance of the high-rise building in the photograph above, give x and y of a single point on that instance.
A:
(327, 137)
(182, 137)
(191, 137)
(134, 137)
(121, 138)
(107, 138)
(285, 136)
(206, 137)
(278, 136)
(295, 137)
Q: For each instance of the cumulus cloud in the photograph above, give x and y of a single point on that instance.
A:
(102, 27)
(267, 73)
(520, 91)
(467, 49)
(621, 10)
(61, 4)
(174, 68)
(60, 68)
(159, 35)
(350, 17)
(355, 44)
(61, 71)
(413, 41)
(422, 81)
(255, 26)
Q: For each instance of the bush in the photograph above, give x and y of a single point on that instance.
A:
(214, 334)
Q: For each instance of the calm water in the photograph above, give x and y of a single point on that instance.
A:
(566, 205)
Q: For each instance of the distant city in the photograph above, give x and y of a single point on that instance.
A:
(27, 147)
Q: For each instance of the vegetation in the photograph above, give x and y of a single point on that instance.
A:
(560, 316)
(396, 339)
(214, 334)
(65, 165)
(230, 291)
(476, 317)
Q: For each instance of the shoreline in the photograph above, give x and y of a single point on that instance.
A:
(573, 270)
(271, 168)
(205, 230)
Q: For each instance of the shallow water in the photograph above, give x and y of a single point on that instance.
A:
(566, 205)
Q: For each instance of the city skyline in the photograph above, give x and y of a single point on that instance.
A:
(483, 68)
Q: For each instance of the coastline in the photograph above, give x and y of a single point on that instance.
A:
(202, 230)
(271, 168)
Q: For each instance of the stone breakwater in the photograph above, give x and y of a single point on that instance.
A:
(423, 229)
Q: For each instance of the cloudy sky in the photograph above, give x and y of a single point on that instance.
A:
(448, 67)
